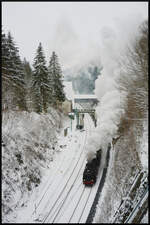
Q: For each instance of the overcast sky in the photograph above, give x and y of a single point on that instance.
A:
(66, 27)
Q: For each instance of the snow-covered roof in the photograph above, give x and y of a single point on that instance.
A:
(85, 97)
(68, 90)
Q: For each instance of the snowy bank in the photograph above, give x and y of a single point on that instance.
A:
(29, 141)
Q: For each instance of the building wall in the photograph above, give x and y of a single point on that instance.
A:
(67, 106)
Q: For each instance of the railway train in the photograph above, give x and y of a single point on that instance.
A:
(91, 170)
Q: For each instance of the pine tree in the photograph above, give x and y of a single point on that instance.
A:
(40, 81)
(17, 74)
(28, 83)
(5, 54)
(5, 74)
(13, 74)
(55, 78)
(27, 70)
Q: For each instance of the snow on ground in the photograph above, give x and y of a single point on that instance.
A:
(48, 176)
(145, 219)
(61, 195)
(144, 146)
(29, 143)
(49, 197)
(120, 176)
(102, 211)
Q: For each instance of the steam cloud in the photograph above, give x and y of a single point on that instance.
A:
(112, 102)
(73, 51)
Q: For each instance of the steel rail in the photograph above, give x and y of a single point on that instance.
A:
(66, 182)
(129, 217)
(63, 200)
(68, 195)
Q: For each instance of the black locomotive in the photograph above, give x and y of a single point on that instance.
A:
(91, 170)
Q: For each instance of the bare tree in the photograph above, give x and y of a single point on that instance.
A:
(134, 77)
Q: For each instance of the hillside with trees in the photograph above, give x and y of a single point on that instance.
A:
(13, 83)
(31, 121)
(27, 89)
(130, 150)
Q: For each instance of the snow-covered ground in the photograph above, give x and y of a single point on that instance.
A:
(29, 143)
(143, 150)
(61, 196)
(145, 218)
(116, 189)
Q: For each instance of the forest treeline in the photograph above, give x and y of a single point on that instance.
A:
(24, 88)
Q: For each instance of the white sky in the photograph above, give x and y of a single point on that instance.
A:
(63, 26)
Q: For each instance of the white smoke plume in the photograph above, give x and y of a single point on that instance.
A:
(114, 42)
(73, 51)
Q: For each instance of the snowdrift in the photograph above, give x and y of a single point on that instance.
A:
(29, 141)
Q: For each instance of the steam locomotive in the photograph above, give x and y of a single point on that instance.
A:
(91, 170)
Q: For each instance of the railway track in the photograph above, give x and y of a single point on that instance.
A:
(64, 198)
(80, 162)
(79, 214)
(138, 196)
(82, 202)
(52, 181)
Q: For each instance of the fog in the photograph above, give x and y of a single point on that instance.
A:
(114, 43)
(73, 29)
(73, 51)
(81, 33)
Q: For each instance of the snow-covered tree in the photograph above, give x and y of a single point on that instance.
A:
(5, 54)
(134, 81)
(28, 70)
(5, 76)
(12, 75)
(41, 86)
(28, 83)
(134, 77)
(55, 78)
